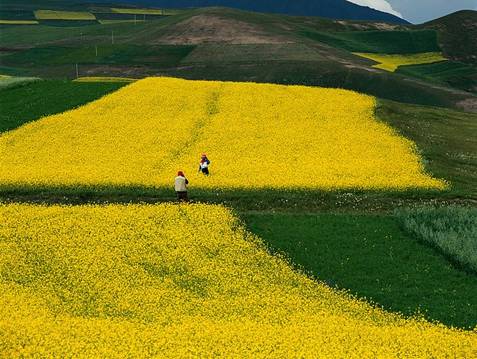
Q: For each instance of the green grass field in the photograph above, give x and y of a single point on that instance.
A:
(324, 73)
(446, 139)
(11, 81)
(157, 56)
(455, 74)
(17, 15)
(384, 42)
(15, 5)
(46, 98)
(125, 33)
(372, 257)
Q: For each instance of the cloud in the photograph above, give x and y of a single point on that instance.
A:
(381, 5)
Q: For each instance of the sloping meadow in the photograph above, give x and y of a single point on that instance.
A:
(180, 281)
(257, 136)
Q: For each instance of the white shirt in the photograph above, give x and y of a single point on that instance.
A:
(180, 184)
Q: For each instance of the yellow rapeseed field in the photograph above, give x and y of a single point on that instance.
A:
(392, 62)
(18, 22)
(257, 136)
(63, 15)
(180, 281)
(136, 11)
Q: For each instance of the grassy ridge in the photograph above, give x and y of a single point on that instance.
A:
(372, 257)
(46, 98)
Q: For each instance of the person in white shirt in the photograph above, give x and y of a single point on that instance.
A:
(180, 186)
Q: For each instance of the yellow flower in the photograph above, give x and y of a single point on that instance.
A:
(256, 135)
(180, 281)
(392, 62)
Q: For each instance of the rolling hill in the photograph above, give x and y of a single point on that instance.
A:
(335, 9)
(234, 45)
(457, 35)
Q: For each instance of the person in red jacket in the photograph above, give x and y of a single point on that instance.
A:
(180, 186)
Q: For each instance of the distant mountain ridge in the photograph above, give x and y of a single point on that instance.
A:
(335, 9)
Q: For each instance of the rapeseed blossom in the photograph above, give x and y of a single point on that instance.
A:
(63, 15)
(258, 136)
(391, 62)
(180, 281)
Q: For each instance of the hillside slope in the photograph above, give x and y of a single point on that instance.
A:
(457, 35)
(335, 9)
(233, 45)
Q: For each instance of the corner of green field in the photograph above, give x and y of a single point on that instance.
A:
(373, 258)
(31, 101)
(446, 139)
